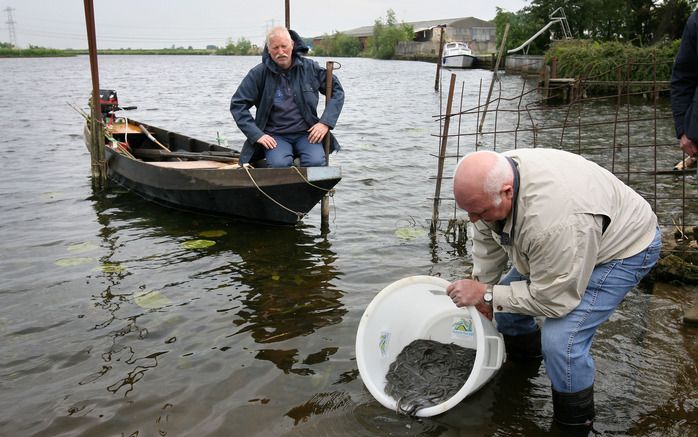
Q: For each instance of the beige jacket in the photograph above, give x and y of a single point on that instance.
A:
(557, 238)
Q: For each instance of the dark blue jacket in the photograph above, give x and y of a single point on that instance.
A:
(684, 82)
(257, 89)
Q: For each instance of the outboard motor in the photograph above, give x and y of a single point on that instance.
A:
(109, 102)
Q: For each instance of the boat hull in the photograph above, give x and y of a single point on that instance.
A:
(279, 196)
(458, 61)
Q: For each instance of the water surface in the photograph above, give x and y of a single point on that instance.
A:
(110, 325)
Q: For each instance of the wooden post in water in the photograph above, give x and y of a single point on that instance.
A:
(442, 156)
(325, 203)
(99, 169)
(494, 75)
(438, 61)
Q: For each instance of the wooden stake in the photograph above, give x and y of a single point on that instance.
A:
(442, 155)
(288, 14)
(325, 203)
(441, 52)
(494, 75)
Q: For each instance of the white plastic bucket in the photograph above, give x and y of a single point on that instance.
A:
(414, 308)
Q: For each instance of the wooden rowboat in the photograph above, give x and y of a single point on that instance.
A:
(178, 171)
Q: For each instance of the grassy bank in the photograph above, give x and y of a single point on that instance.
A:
(610, 61)
(33, 52)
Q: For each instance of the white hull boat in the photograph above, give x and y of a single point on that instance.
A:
(457, 55)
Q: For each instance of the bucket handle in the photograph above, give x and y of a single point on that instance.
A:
(500, 351)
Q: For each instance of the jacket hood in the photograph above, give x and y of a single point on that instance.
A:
(299, 49)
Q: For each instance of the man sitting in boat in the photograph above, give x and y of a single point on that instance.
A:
(284, 89)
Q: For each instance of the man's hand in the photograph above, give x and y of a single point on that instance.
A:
(688, 146)
(317, 132)
(466, 292)
(267, 141)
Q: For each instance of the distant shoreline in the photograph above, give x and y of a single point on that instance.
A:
(43, 52)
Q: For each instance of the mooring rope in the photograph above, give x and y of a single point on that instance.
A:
(330, 192)
(247, 168)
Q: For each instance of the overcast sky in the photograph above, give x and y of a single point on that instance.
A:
(197, 23)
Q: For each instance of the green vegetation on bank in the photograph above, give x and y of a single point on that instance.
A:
(32, 51)
(610, 61)
(242, 47)
(386, 36)
(381, 44)
(640, 23)
(338, 44)
(634, 40)
(8, 51)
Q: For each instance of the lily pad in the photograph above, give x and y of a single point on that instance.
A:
(70, 262)
(410, 233)
(150, 299)
(81, 247)
(112, 268)
(198, 244)
(213, 233)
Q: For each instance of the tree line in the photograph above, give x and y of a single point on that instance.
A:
(636, 23)
(639, 23)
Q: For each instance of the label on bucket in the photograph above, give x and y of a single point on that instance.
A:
(383, 343)
(461, 327)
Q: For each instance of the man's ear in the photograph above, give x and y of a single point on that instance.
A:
(508, 191)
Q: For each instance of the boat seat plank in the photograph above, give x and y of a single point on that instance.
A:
(124, 128)
(189, 164)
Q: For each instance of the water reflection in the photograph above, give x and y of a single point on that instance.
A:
(270, 285)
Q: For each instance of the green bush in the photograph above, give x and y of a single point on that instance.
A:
(338, 44)
(594, 60)
(242, 47)
(386, 36)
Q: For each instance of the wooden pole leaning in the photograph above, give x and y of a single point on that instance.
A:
(325, 203)
(97, 154)
(442, 156)
(495, 72)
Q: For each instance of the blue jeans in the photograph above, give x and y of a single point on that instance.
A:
(566, 341)
(288, 146)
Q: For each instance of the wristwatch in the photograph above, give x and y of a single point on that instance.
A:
(488, 297)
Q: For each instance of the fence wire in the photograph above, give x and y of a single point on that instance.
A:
(624, 125)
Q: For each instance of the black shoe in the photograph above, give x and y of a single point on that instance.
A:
(574, 409)
(523, 347)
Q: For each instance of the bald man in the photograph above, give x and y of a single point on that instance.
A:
(577, 240)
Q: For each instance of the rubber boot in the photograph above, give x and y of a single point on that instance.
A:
(574, 409)
(523, 347)
(690, 315)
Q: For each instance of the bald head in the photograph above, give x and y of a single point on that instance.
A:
(481, 181)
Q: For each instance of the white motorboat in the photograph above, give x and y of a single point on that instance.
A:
(457, 55)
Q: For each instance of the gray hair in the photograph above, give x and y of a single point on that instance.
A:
(278, 31)
(496, 177)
